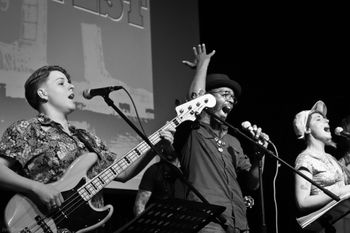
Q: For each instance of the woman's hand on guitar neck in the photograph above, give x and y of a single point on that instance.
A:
(47, 195)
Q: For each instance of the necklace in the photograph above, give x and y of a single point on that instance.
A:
(219, 142)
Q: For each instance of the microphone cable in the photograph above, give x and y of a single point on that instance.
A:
(137, 114)
(247, 125)
(274, 186)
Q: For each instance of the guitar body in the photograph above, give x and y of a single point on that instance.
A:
(78, 215)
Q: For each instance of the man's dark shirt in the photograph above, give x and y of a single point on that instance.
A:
(158, 179)
(211, 172)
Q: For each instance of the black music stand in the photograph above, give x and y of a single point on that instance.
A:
(173, 216)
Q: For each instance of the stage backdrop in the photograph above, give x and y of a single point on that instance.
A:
(137, 44)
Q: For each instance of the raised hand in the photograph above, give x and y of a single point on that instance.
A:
(201, 56)
(256, 133)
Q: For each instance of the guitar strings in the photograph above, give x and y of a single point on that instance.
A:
(71, 204)
(60, 215)
(153, 139)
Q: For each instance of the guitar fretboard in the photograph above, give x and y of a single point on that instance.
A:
(88, 190)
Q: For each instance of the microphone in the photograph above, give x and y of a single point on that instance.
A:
(263, 136)
(339, 131)
(90, 93)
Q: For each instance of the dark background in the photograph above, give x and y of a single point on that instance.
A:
(286, 57)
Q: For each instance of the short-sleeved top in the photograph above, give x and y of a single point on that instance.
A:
(326, 171)
(213, 172)
(160, 180)
(45, 151)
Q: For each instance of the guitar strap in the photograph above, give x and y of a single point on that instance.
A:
(86, 140)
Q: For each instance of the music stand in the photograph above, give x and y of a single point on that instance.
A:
(326, 216)
(173, 216)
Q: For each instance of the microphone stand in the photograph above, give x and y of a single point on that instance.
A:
(265, 150)
(220, 219)
(263, 222)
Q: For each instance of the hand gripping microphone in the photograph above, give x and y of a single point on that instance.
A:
(90, 93)
(246, 125)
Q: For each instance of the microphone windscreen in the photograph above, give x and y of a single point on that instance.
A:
(338, 131)
(246, 124)
(86, 94)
